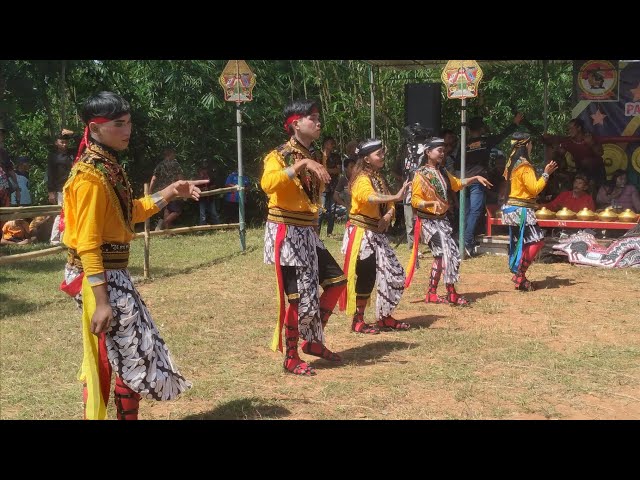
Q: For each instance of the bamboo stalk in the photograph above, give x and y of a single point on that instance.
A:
(30, 255)
(147, 223)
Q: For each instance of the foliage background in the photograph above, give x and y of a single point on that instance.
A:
(181, 103)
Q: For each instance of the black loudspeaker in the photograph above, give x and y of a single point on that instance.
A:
(423, 105)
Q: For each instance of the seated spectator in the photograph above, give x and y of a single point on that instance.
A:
(576, 199)
(16, 232)
(618, 193)
(22, 174)
(40, 228)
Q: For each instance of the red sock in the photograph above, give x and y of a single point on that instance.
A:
(126, 400)
(328, 301)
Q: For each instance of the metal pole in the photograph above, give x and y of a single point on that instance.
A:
(240, 179)
(147, 223)
(373, 103)
(545, 73)
(463, 159)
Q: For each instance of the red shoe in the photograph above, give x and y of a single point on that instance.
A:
(298, 367)
(525, 286)
(456, 299)
(390, 323)
(434, 298)
(363, 327)
(319, 350)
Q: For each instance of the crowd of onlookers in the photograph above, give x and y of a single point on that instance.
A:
(585, 187)
(16, 191)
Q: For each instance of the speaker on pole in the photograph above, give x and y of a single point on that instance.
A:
(423, 105)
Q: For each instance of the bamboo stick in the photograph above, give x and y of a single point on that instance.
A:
(219, 191)
(197, 228)
(29, 255)
(48, 251)
(11, 213)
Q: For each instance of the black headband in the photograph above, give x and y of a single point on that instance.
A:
(369, 147)
(434, 143)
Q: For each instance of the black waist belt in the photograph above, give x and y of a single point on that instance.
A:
(365, 222)
(519, 202)
(115, 256)
(430, 216)
(301, 219)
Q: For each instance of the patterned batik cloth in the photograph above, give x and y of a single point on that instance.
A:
(437, 233)
(136, 352)
(390, 275)
(299, 251)
(532, 232)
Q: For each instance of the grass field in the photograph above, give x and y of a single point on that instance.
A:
(566, 351)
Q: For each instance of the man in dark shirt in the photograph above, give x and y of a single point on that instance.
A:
(58, 168)
(478, 153)
(409, 159)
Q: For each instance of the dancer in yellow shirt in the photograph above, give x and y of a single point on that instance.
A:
(369, 259)
(294, 178)
(526, 238)
(429, 193)
(98, 220)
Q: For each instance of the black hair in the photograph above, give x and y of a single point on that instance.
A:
(104, 104)
(302, 107)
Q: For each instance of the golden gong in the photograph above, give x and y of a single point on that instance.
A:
(614, 158)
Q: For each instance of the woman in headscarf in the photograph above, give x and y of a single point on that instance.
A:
(430, 192)
(526, 237)
(369, 257)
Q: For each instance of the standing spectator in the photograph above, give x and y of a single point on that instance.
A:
(231, 199)
(22, 174)
(586, 152)
(165, 173)
(451, 149)
(332, 161)
(207, 204)
(9, 172)
(479, 147)
(410, 157)
(58, 168)
(342, 193)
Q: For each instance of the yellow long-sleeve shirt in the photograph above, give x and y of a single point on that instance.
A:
(421, 193)
(285, 192)
(93, 216)
(361, 190)
(524, 184)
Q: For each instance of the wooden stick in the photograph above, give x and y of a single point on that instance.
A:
(219, 191)
(198, 228)
(11, 213)
(49, 251)
(146, 238)
(29, 255)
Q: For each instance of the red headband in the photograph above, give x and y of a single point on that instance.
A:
(85, 141)
(290, 120)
